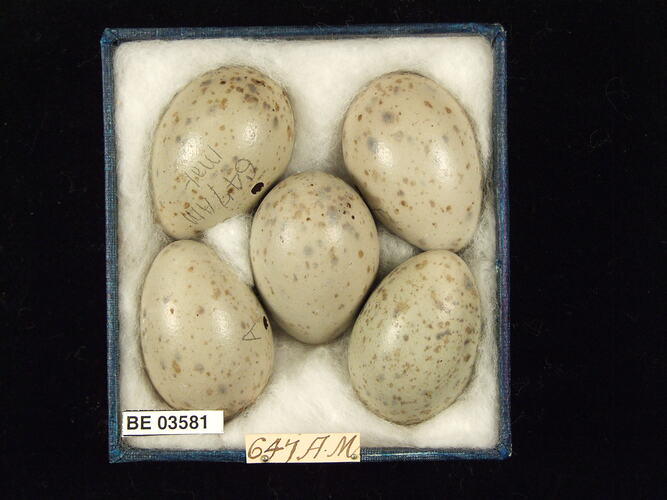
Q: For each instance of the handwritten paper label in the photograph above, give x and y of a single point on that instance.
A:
(302, 448)
(158, 422)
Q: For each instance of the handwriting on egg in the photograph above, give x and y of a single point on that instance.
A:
(212, 197)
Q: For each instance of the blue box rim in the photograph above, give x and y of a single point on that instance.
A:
(495, 33)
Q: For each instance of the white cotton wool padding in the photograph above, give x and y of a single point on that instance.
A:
(309, 390)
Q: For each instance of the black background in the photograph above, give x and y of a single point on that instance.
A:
(586, 114)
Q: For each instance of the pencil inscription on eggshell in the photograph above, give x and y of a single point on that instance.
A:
(411, 150)
(314, 252)
(222, 142)
(413, 346)
(206, 341)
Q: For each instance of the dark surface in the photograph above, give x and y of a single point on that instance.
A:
(586, 97)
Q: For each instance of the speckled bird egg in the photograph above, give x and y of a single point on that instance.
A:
(222, 142)
(411, 150)
(413, 346)
(314, 252)
(206, 341)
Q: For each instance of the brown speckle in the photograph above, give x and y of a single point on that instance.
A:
(400, 307)
(442, 334)
(176, 366)
(333, 256)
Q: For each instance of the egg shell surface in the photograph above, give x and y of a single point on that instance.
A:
(314, 252)
(206, 341)
(414, 344)
(222, 142)
(411, 150)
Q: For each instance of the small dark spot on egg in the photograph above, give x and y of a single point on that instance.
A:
(257, 188)
(442, 334)
(266, 323)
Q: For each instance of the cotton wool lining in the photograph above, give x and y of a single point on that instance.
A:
(310, 389)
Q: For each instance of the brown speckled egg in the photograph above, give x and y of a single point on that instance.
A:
(413, 346)
(411, 150)
(222, 142)
(207, 343)
(314, 252)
